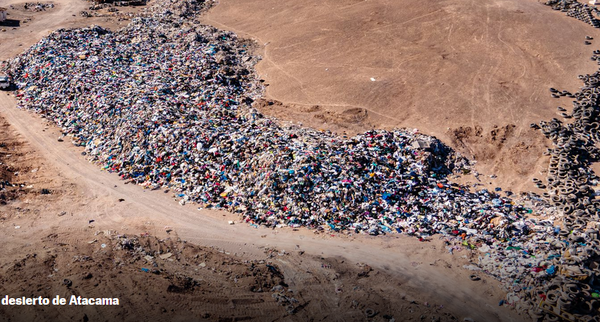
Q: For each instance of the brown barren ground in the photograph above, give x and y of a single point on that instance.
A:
(473, 73)
(46, 232)
(26, 27)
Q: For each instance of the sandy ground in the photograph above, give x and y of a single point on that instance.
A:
(424, 271)
(473, 73)
(332, 277)
(24, 28)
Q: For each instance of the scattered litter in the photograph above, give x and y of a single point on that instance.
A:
(165, 256)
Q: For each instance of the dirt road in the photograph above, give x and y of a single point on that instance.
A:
(32, 26)
(14, 41)
(145, 210)
(102, 197)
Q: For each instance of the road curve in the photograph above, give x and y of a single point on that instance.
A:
(211, 227)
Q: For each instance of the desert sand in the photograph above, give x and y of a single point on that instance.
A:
(474, 74)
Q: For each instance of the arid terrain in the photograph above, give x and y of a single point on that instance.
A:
(47, 235)
(474, 74)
